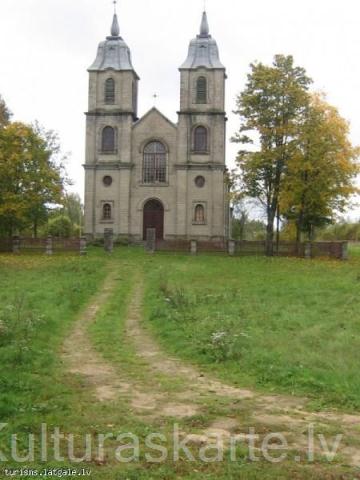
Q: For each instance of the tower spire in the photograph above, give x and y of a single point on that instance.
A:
(204, 28)
(115, 29)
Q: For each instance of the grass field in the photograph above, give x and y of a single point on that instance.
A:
(279, 325)
(276, 324)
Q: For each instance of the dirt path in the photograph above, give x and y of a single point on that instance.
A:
(106, 382)
(195, 392)
(279, 413)
(80, 356)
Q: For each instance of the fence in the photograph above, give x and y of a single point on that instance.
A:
(337, 250)
(47, 245)
(281, 249)
(5, 245)
(173, 246)
(50, 245)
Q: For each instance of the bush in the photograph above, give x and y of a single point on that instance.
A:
(60, 227)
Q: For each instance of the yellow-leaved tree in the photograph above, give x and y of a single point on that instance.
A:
(319, 178)
(31, 177)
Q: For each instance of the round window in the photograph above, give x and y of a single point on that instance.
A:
(200, 181)
(107, 181)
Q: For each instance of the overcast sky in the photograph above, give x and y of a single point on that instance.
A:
(46, 47)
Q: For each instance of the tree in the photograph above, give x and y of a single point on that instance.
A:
(320, 176)
(60, 226)
(341, 230)
(73, 209)
(5, 113)
(30, 176)
(271, 109)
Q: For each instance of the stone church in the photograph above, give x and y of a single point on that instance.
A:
(149, 172)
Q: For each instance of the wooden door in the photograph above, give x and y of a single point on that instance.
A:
(154, 218)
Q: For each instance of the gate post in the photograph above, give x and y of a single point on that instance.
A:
(16, 244)
(231, 247)
(193, 247)
(49, 245)
(150, 244)
(109, 240)
(83, 246)
(308, 249)
(344, 251)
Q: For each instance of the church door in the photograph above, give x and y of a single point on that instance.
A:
(154, 218)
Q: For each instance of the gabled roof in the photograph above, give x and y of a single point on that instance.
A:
(155, 111)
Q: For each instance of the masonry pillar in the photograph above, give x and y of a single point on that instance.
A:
(109, 240)
(16, 244)
(49, 246)
(231, 247)
(344, 251)
(83, 246)
(193, 247)
(150, 244)
(308, 248)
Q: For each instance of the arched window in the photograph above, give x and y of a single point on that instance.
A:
(108, 140)
(106, 211)
(199, 216)
(201, 90)
(200, 139)
(109, 91)
(154, 164)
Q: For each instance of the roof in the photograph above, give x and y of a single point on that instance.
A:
(203, 50)
(113, 53)
(155, 111)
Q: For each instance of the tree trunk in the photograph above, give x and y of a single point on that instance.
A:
(311, 233)
(298, 238)
(270, 236)
(277, 229)
(35, 230)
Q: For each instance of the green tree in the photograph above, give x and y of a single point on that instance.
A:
(73, 208)
(30, 176)
(5, 113)
(60, 226)
(341, 230)
(271, 111)
(320, 176)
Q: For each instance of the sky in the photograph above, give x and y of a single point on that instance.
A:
(46, 47)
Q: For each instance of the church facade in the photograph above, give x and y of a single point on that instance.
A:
(150, 172)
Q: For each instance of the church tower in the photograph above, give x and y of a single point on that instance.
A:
(112, 110)
(202, 131)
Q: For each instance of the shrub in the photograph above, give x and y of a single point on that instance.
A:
(60, 227)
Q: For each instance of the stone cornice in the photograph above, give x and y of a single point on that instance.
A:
(109, 166)
(111, 114)
(200, 166)
(196, 112)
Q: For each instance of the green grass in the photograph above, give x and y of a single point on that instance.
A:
(278, 314)
(39, 299)
(355, 250)
(280, 324)
(110, 324)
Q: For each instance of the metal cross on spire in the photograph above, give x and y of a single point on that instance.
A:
(155, 97)
(115, 3)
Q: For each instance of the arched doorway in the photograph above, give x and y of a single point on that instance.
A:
(154, 218)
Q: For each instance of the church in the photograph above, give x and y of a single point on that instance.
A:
(150, 173)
